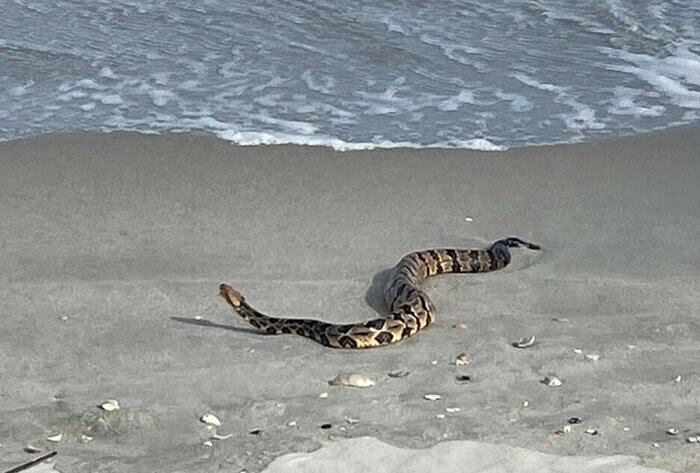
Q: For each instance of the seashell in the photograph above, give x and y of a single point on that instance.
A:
(440, 416)
(55, 438)
(452, 410)
(463, 358)
(574, 420)
(552, 381)
(526, 403)
(85, 438)
(207, 443)
(591, 431)
(678, 379)
(672, 431)
(110, 405)
(398, 374)
(693, 439)
(354, 379)
(432, 397)
(31, 449)
(592, 357)
(221, 437)
(460, 325)
(323, 395)
(578, 351)
(210, 419)
(524, 342)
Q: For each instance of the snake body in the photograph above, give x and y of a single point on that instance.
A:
(411, 308)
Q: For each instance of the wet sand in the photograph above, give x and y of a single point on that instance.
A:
(114, 245)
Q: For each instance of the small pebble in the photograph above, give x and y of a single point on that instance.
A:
(526, 403)
(463, 358)
(85, 438)
(524, 342)
(323, 395)
(672, 431)
(460, 325)
(452, 410)
(560, 319)
(574, 420)
(693, 439)
(55, 438)
(468, 219)
(326, 426)
(464, 377)
(591, 431)
(292, 424)
(552, 381)
(398, 374)
(655, 445)
(342, 428)
(626, 429)
(31, 449)
(110, 405)
(210, 419)
(432, 397)
(63, 318)
(563, 430)
(592, 357)
(434, 362)
(678, 379)
(353, 379)
(255, 432)
(197, 317)
(439, 416)
(578, 351)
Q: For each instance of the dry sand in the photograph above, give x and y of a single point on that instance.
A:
(113, 246)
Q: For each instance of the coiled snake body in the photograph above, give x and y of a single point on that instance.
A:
(411, 308)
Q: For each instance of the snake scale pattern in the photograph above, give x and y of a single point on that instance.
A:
(411, 308)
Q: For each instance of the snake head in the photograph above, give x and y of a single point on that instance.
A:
(231, 295)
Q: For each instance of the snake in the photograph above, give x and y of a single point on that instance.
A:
(411, 308)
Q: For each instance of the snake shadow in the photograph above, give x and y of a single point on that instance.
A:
(374, 297)
(207, 323)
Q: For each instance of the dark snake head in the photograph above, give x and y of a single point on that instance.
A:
(231, 295)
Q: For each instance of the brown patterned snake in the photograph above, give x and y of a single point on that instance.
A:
(411, 308)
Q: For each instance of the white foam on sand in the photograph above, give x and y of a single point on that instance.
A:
(364, 454)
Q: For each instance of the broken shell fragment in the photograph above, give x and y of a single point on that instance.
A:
(452, 410)
(524, 342)
(110, 405)
(221, 437)
(55, 438)
(591, 431)
(578, 351)
(463, 358)
(353, 379)
(592, 357)
(693, 439)
(85, 438)
(432, 397)
(563, 430)
(398, 374)
(552, 381)
(210, 419)
(460, 325)
(207, 443)
(31, 449)
(440, 416)
(351, 420)
(678, 379)
(323, 395)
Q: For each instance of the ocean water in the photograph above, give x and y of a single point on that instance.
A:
(362, 74)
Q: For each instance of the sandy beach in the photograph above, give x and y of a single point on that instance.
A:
(113, 246)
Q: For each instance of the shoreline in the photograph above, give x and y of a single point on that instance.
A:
(114, 245)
